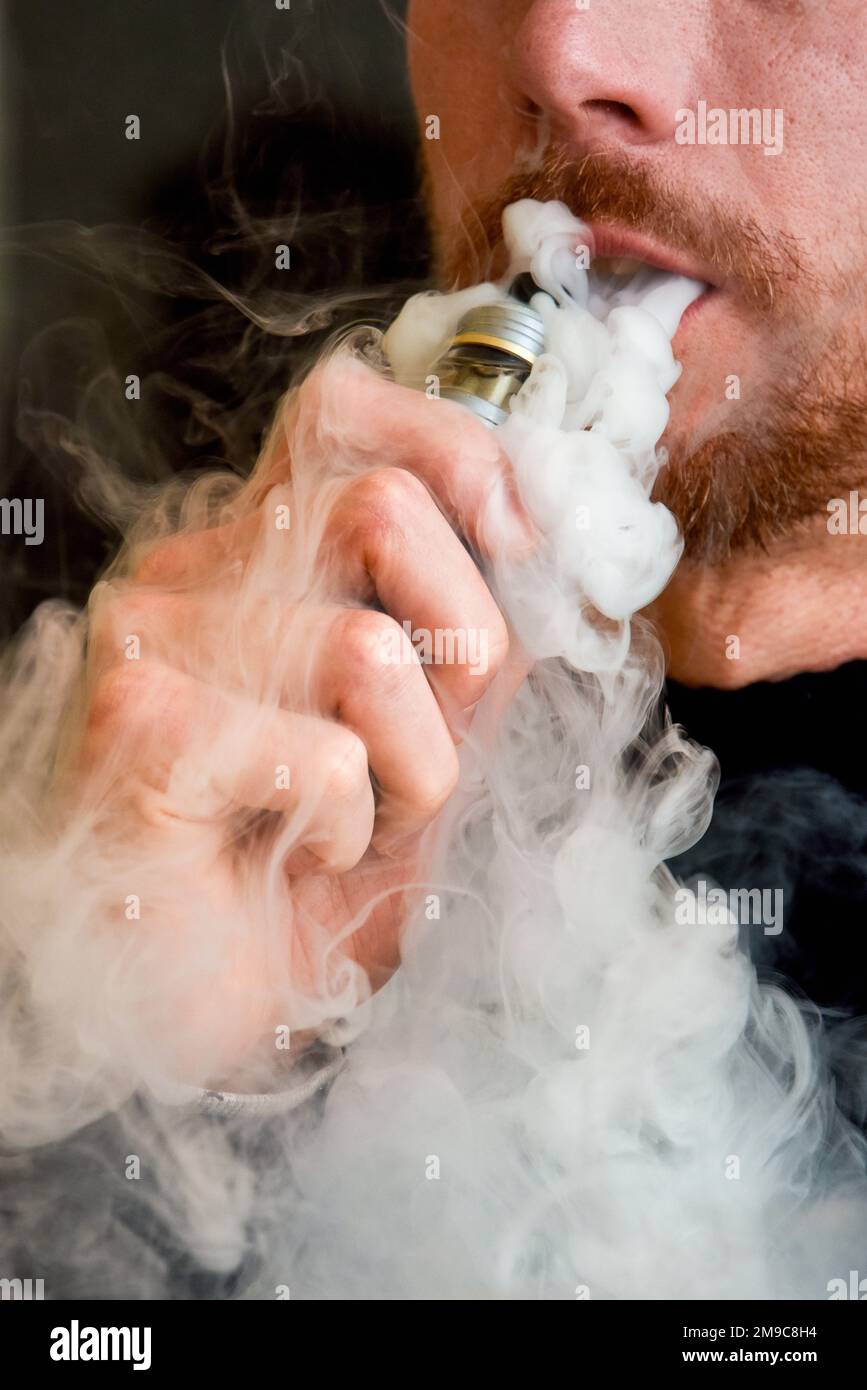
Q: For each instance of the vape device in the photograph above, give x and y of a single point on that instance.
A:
(490, 357)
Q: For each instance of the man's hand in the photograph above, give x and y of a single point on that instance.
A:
(247, 695)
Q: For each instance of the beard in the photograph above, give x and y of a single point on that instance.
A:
(802, 438)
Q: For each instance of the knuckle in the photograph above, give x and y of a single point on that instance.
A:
(379, 512)
(387, 495)
(374, 647)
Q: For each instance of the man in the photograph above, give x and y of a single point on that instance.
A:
(779, 238)
(543, 98)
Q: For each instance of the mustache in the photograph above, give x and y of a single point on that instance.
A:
(766, 268)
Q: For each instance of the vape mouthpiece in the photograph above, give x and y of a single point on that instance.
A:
(490, 358)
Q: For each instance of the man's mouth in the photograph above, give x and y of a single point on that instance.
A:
(624, 252)
(627, 267)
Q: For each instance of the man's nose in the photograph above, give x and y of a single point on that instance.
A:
(613, 74)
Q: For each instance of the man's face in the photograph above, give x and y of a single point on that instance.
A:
(546, 98)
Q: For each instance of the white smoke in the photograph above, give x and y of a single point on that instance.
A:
(564, 1091)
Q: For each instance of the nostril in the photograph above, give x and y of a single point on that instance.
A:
(527, 108)
(617, 110)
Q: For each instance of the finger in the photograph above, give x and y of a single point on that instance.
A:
(353, 666)
(368, 676)
(387, 542)
(189, 557)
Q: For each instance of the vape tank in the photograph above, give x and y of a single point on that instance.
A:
(490, 358)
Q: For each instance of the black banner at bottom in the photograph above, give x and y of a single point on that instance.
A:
(240, 1338)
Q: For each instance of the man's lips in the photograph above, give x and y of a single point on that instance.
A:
(611, 242)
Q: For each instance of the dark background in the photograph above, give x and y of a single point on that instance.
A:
(255, 123)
